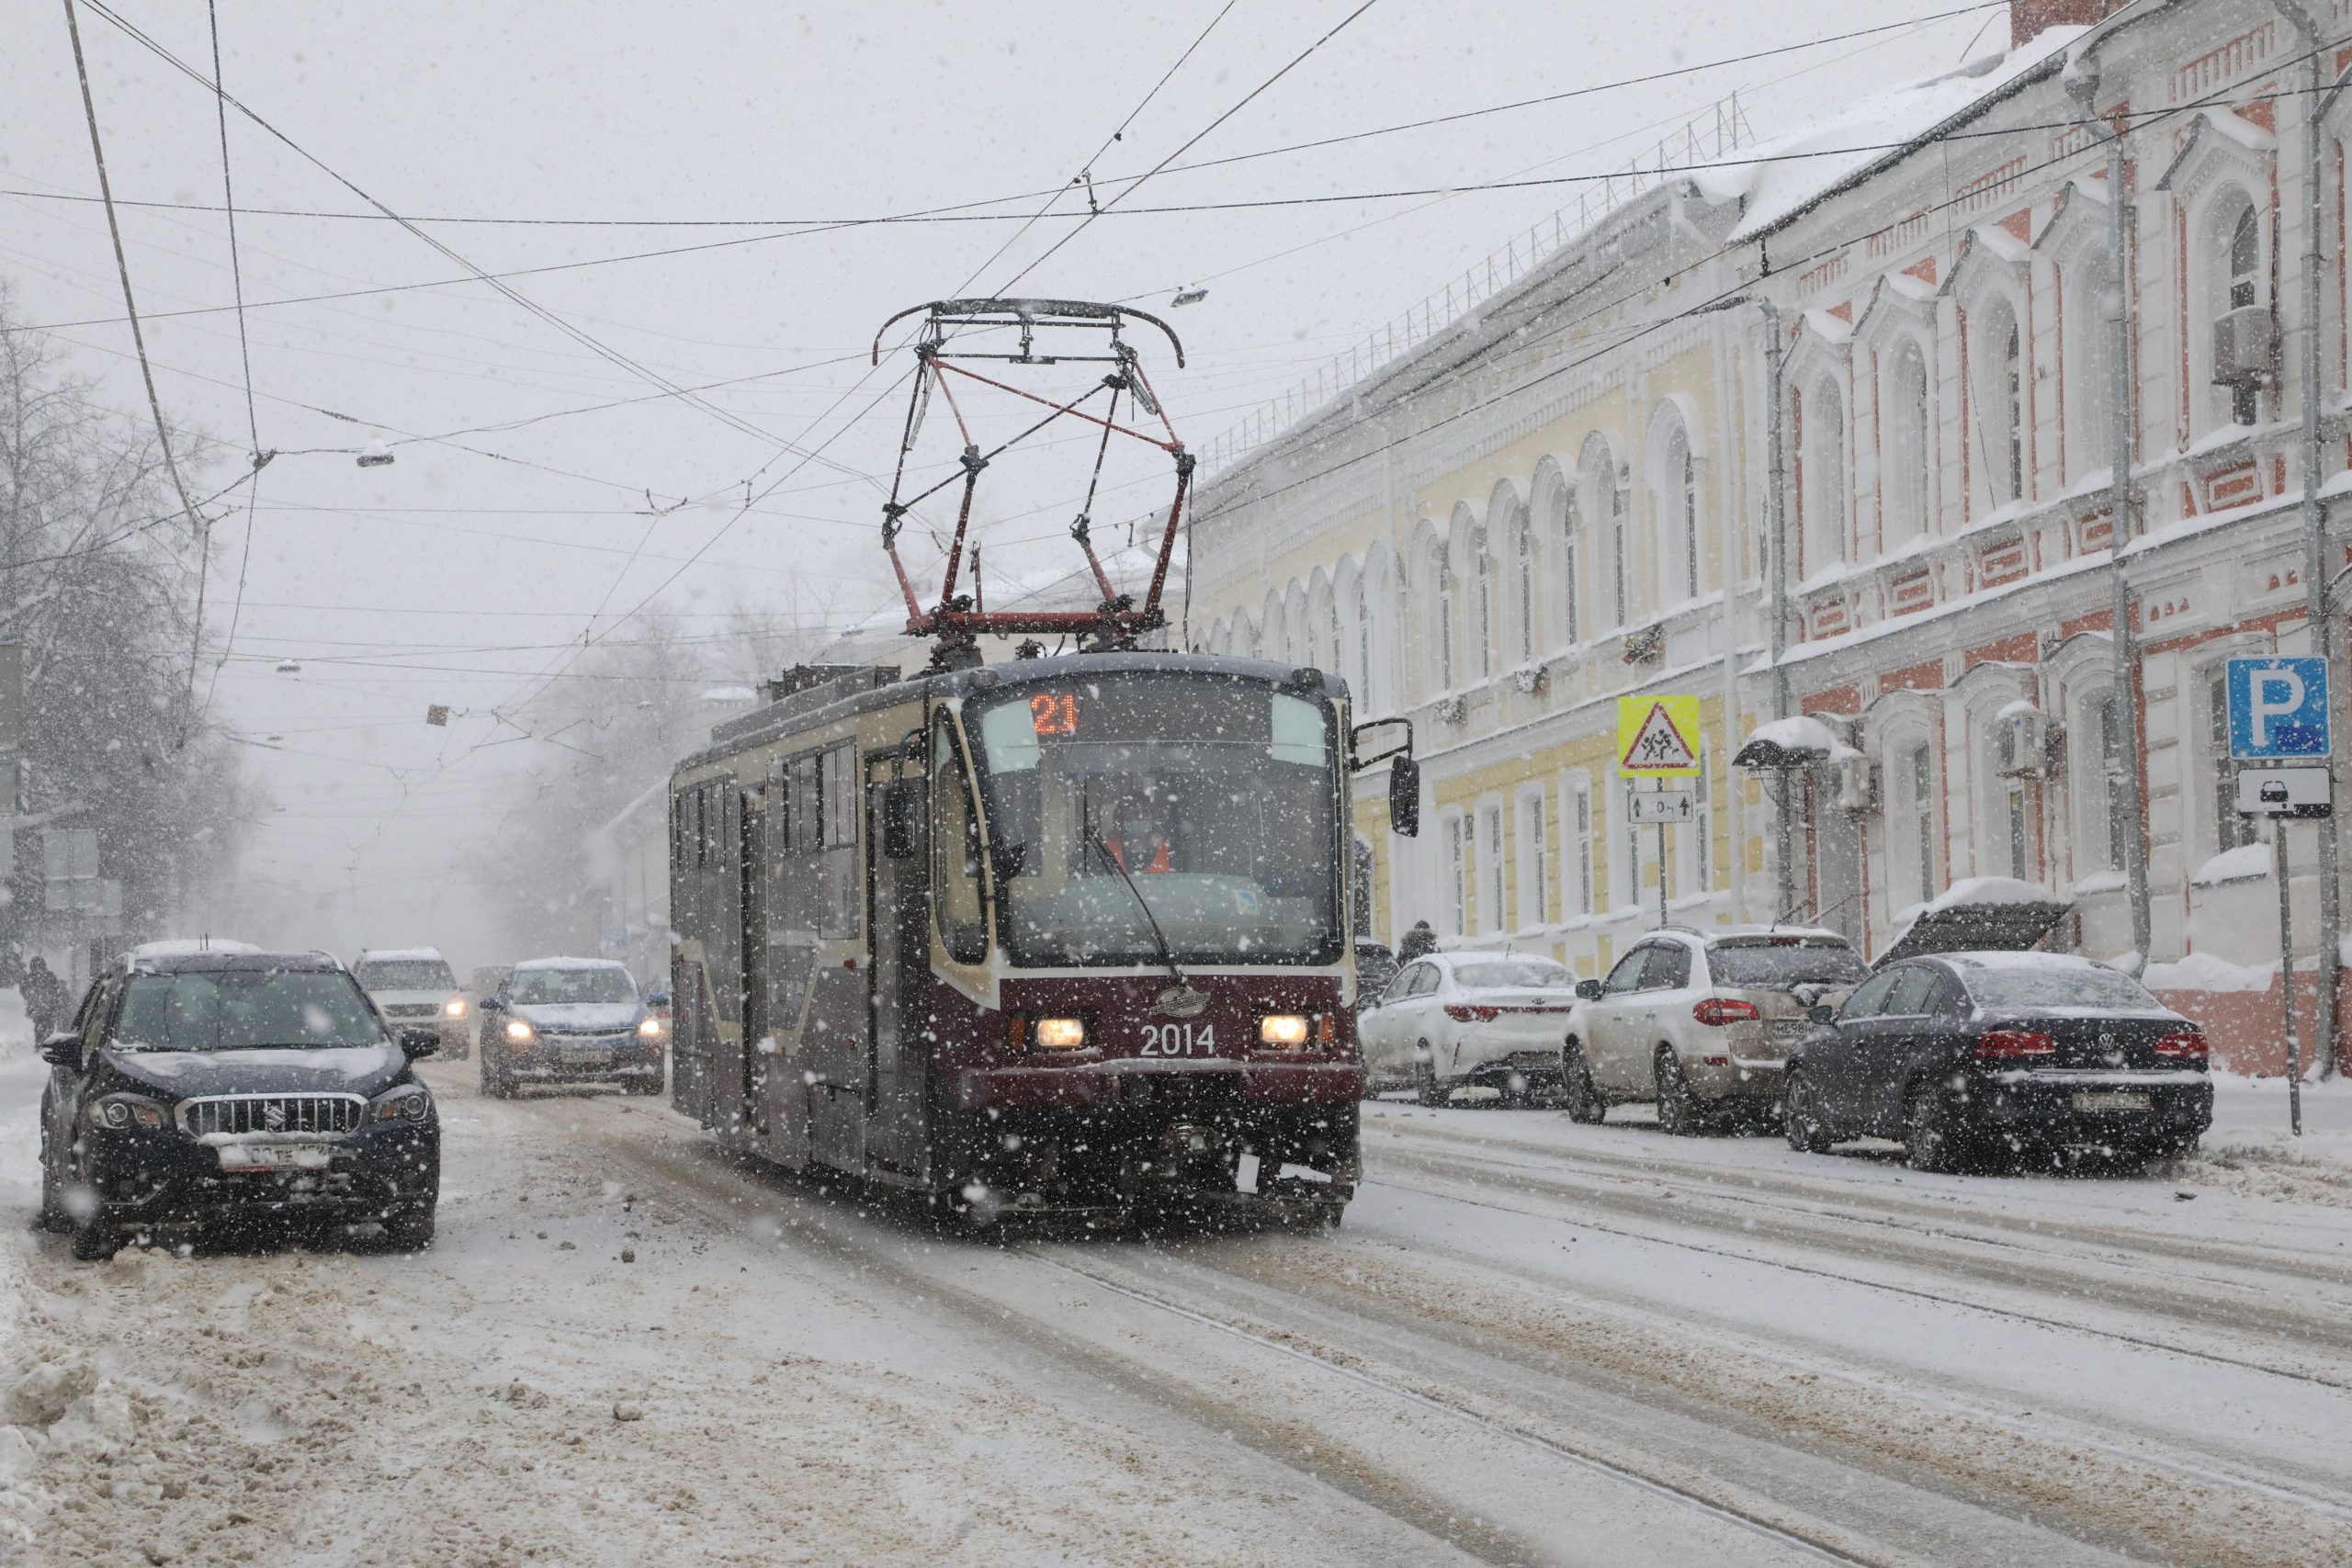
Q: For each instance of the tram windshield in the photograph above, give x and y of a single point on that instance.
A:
(1217, 799)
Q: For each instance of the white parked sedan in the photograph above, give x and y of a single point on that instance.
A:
(1454, 1020)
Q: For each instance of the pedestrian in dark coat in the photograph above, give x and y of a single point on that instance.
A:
(1419, 943)
(44, 996)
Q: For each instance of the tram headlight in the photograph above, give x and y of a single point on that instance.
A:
(1286, 1030)
(1060, 1033)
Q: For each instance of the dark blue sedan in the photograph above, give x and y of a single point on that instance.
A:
(1968, 1058)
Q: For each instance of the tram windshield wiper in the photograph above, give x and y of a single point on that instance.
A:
(1167, 955)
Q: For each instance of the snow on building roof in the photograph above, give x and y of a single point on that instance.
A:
(729, 694)
(1783, 178)
(1982, 890)
(570, 964)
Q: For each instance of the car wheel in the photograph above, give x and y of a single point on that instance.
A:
(1582, 1100)
(1679, 1110)
(1801, 1120)
(52, 1208)
(97, 1239)
(1931, 1141)
(1426, 1088)
(411, 1230)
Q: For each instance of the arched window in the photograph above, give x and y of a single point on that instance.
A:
(2245, 289)
(1493, 918)
(1522, 553)
(1674, 487)
(1684, 474)
(1536, 900)
(2000, 425)
(1482, 569)
(2103, 791)
(1604, 501)
(1907, 459)
(1567, 524)
(1445, 635)
(1824, 477)
(1915, 779)
(2090, 340)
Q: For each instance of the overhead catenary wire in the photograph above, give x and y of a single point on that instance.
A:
(244, 360)
(577, 334)
(511, 221)
(131, 309)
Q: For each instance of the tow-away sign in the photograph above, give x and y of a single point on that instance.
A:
(1658, 737)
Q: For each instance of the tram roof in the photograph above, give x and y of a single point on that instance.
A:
(829, 703)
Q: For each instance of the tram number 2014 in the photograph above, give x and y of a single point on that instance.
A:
(1180, 1040)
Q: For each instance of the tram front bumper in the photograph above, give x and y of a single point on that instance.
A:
(1206, 1086)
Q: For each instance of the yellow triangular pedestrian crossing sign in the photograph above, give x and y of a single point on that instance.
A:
(1658, 737)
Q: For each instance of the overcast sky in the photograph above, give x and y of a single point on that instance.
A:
(455, 577)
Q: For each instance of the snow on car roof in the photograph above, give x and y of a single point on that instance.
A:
(1803, 933)
(190, 947)
(400, 955)
(571, 963)
(1998, 959)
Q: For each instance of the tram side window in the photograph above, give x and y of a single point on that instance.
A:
(956, 856)
(837, 806)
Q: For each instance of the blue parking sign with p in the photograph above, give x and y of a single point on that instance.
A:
(2278, 708)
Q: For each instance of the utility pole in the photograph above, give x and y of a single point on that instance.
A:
(2083, 87)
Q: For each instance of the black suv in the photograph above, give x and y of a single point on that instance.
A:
(208, 1087)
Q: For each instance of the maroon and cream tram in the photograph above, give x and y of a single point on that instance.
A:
(1064, 935)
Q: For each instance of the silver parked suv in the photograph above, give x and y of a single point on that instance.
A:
(1700, 1021)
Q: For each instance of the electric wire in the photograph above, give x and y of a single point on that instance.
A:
(577, 334)
(244, 359)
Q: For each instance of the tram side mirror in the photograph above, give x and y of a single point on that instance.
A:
(901, 818)
(1405, 798)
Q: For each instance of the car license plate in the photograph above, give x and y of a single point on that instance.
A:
(600, 1058)
(275, 1156)
(2095, 1100)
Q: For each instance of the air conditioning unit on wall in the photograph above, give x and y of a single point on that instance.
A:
(2245, 347)
(2024, 745)
(1858, 785)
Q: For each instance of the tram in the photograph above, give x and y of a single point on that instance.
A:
(1068, 936)
(1063, 935)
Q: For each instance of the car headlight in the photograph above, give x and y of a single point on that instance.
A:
(454, 1008)
(648, 1028)
(410, 1102)
(1286, 1029)
(123, 1111)
(517, 1030)
(1060, 1033)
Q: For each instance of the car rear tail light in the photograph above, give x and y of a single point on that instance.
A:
(1719, 1010)
(2013, 1045)
(2187, 1046)
(1462, 1013)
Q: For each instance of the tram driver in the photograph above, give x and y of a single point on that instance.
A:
(1142, 847)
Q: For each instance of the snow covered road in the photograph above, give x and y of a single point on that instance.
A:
(1532, 1342)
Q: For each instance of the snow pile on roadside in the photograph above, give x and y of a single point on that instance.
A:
(2250, 1150)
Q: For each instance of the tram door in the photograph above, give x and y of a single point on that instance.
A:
(751, 953)
(899, 991)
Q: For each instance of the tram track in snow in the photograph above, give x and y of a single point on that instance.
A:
(2060, 1278)
(1450, 1316)
(1924, 1215)
(1820, 1497)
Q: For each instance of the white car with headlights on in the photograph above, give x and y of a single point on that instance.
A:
(572, 1021)
(1463, 1019)
(414, 987)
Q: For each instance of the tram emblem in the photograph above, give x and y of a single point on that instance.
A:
(1180, 1001)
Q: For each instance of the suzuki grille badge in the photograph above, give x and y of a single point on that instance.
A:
(274, 1117)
